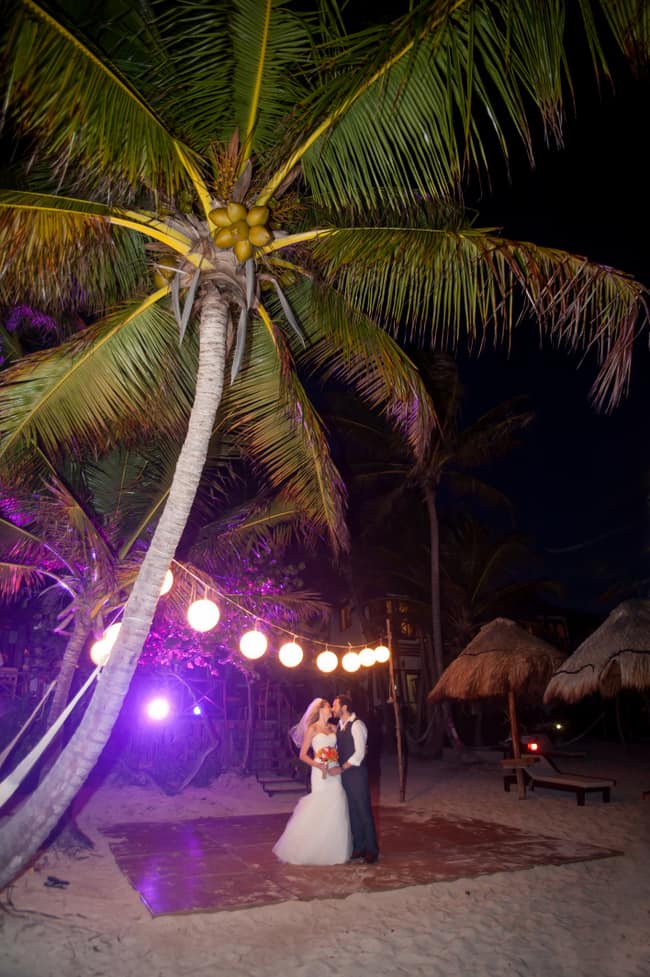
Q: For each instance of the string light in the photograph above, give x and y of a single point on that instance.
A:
(350, 662)
(253, 644)
(327, 661)
(382, 654)
(100, 652)
(290, 654)
(367, 657)
(203, 615)
(167, 584)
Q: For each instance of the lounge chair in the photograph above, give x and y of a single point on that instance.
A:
(544, 772)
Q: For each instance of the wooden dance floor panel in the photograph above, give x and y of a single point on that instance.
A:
(213, 864)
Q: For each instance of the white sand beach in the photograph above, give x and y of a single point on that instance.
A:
(589, 919)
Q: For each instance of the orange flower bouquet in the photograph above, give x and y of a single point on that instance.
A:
(328, 755)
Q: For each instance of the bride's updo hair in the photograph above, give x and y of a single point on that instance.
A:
(310, 715)
(316, 711)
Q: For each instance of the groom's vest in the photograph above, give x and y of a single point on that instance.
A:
(345, 743)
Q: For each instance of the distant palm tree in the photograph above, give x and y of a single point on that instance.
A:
(398, 483)
(265, 168)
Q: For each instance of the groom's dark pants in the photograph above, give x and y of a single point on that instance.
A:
(357, 790)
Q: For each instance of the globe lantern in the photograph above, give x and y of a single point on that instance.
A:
(367, 657)
(167, 583)
(290, 654)
(327, 661)
(203, 615)
(350, 661)
(253, 644)
(382, 654)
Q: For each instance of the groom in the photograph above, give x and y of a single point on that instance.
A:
(351, 739)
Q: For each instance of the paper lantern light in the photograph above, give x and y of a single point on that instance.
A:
(203, 615)
(350, 662)
(290, 654)
(253, 644)
(167, 583)
(327, 661)
(100, 652)
(111, 633)
(382, 654)
(367, 657)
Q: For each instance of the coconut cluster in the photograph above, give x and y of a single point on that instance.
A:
(241, 229)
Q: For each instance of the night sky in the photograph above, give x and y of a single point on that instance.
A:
(582, 477)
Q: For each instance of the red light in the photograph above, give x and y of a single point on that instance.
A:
(533, 747)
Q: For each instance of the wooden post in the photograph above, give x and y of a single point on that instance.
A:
(398, 722)
(516, 751)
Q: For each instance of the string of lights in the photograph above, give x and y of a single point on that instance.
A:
(204, 614)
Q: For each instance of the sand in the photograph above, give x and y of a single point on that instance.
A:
(589, 919)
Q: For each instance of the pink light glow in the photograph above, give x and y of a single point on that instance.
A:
(158, 708)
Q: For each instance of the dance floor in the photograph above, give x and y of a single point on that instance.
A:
(214, 864)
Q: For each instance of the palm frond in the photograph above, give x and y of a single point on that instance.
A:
(233, 67)
(20, 579)
(61, 89)
(271, 418)
(353, 349)
(446, 286)
(494, 433)
(118, 369)
(405, 109)
(272, 523)
(59, 253)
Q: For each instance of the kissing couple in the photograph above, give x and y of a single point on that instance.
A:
(334, 823)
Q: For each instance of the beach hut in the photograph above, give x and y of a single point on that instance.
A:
(502, 660)
(616, 656)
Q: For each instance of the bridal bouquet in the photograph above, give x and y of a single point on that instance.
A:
(329, 755)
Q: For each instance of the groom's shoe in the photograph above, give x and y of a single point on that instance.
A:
(356, 855)
(371, 857)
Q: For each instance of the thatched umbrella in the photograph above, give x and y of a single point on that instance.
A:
(503, 659)
(616, 656)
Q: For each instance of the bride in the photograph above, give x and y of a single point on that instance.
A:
(318, 832)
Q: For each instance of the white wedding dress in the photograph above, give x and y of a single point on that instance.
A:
(318, 832)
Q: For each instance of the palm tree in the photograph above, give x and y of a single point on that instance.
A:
(454, 460)
(272, 169)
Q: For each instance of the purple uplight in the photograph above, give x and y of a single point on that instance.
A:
(158, 708)
(197, 710)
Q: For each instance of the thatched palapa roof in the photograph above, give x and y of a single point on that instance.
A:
(615, 656)
(503, 657)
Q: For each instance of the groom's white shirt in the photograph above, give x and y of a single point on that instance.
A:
(359, 738)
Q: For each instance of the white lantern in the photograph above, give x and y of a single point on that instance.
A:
(100, 652)
(290, 654)
(203, 615)
(350, 661)
(111, 633)
(167, 583)
(382, 654)
(253, 644)
(327, 661)
(367, 657)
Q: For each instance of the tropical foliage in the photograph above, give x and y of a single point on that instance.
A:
(254, 178)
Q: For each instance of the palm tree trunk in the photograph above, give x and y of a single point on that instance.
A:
(24, 832)
(434, 546)
(436, 620)
(69, 663)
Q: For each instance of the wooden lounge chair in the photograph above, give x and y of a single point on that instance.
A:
(546, 773)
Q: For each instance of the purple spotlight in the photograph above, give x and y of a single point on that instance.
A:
(158, 708)
(197, 710)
